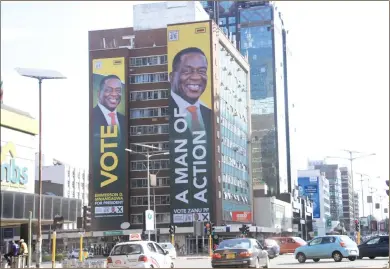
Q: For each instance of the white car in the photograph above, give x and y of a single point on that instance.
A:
(139, 254)
(170, 248)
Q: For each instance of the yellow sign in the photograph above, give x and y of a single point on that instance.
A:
(108, 136)
(195, 36)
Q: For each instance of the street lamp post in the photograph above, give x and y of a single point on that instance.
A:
(40, 75)
(148, 156)
(351, 159)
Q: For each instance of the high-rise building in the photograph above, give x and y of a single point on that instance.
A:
(332, 173)
(64, 180)
(172, 55)
(314, 185)
(348, 199)
(356, 200)
(257, 29)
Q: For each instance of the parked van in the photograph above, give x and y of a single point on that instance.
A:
(289, 244)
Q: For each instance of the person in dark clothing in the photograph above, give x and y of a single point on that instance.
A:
(14, 251)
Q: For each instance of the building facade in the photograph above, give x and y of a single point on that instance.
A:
(356, 200)
(19, 133)
(348, 199)
(332, 173)
(257, 29)
(315, 186)
(66, 181)
(147, 52)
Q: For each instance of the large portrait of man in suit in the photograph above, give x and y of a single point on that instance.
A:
(188, 82)
(105, 113)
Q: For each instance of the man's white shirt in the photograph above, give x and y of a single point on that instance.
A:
(105, 112)
(183, 106)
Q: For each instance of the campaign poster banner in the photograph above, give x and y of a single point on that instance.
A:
(108, 181)
(309, 187)
(190, 125)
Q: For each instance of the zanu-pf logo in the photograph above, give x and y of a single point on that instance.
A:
(10, 172)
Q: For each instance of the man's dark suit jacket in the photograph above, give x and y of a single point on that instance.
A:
(98, 120)
(178, 188)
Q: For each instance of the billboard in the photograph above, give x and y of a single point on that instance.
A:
(242, 216)
(108, 134)
(190, 125)
(309, 186)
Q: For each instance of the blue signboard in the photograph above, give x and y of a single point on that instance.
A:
(309, 186)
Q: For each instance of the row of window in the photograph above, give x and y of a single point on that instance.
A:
(143, 200)
(149, 78)
(149, 95)
(143, 183)
(141, 113)
(232, 162)
(160, 218)
(149, 129)
(79, 174)
(156, 147)
(234, 181)
(148, 60)
(153, 165)
(235, 197)
(235, 188)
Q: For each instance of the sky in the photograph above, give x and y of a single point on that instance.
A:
(338, 75)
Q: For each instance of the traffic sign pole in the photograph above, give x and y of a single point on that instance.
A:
(210, 245)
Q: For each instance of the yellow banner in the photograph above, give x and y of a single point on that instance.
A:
(190, 75)
(108, 67)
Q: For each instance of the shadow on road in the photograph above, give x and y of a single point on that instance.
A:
(326, 261)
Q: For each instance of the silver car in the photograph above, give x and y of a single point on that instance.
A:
(240, 252)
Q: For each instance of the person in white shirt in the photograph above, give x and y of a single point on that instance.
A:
(188, 82)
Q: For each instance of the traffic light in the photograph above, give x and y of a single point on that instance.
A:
(212, 228)
(57, 222)
(172, 229)
(387, 191)
(87, 219)
(208, 228)
(244, 229)
(357, 225)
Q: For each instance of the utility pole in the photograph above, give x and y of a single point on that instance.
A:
(361, 184)
(372, 191)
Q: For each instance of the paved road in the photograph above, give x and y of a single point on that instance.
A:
(288, 261)
(283, 261)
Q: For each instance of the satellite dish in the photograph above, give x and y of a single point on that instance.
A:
(125, 225)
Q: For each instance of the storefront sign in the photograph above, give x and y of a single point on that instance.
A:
(242, 216)
(12, 175)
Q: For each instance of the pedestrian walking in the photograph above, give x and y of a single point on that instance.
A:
(14, 251)
(23, 250)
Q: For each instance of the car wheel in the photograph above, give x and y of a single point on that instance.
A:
(371, 258)
(267, 263)
(352, 259)
(301, 258)
(316, 260)
(337, 257)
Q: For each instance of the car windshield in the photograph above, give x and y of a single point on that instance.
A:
(270, 242)
(166, 246)
(346, 239)
(132, 249)
(235, 243)
(299, 240)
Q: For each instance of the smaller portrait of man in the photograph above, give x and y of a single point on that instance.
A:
(109, 97)
(188, 82)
